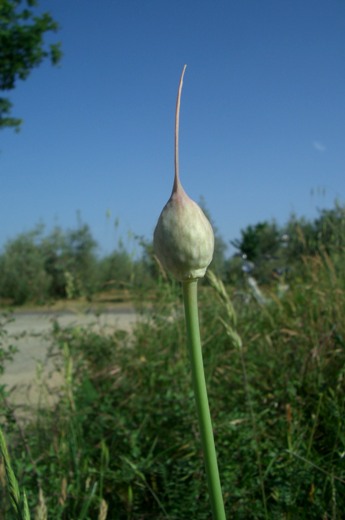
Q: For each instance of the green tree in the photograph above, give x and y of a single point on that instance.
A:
(22, 272)
(54, 252)
(309, 238)
(260, 252)
(35, 267)
(70, 261)
(259, 241)
(81, 260)
(116, 270)
(22, 48)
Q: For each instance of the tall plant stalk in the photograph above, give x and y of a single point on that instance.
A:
(190, 297)
(184, 244)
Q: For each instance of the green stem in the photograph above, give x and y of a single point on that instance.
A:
(200, 391)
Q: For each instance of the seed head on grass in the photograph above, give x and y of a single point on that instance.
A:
(183, 239)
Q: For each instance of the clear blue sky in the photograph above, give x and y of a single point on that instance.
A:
(262, 117)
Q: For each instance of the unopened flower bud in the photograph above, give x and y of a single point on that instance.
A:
(183, 238)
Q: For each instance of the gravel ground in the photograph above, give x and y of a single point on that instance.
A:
(30, 332)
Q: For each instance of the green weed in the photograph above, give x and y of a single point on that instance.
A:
(123, 443)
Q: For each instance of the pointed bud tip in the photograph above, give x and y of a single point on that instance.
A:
(183, 239)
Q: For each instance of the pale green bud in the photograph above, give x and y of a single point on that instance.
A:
(183, 239)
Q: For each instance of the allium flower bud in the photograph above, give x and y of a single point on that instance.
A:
(183, 238)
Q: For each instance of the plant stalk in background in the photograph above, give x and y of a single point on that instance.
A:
(184, 245)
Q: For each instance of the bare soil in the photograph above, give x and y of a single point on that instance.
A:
(31, 333)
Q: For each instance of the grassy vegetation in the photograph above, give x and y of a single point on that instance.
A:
(123, 442)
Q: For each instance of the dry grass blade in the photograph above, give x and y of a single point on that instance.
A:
(41, 510)
(103, 510)
(231, 319)
(220, 290)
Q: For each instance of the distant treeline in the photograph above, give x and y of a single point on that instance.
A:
(40, 267)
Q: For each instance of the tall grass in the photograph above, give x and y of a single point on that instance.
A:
(18, 499)
(123, 442)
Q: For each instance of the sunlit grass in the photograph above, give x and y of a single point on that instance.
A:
(123, 437)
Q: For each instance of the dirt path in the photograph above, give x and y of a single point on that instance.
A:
(30, 332)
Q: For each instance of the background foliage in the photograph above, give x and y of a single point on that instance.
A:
(41, 267)
(22, 48)
(122, 441)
